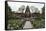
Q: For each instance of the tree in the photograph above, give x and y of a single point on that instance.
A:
(7, 10)
(22, 8)
(43, 9)
(34, 9)
(43, 12)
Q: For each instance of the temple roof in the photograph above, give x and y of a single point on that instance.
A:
(27, 9)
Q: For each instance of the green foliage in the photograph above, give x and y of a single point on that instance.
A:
(7, 10)
(11, 19)
(38, 23)
(15, 23)
(43, 9)
(43, 12)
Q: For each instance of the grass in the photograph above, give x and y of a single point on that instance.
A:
(15, 23)
(38, 23)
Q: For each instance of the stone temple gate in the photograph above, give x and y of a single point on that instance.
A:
(26, 17)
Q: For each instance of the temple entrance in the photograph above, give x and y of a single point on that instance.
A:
(27, 19)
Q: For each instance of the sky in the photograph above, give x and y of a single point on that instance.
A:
(16, 5)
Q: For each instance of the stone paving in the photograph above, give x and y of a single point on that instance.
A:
(27, 25)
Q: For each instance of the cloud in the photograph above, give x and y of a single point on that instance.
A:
(16, 5)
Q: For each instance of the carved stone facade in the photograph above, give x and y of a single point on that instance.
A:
(27, 12)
